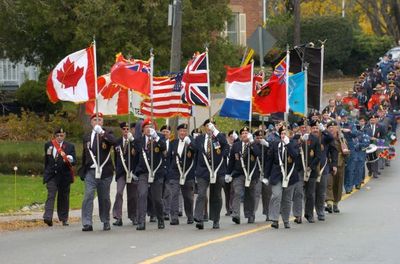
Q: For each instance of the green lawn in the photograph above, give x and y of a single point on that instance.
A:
(22, 147)
(30, 190)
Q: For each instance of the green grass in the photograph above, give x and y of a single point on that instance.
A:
(22, 147)
(29, 190)
(338, 85)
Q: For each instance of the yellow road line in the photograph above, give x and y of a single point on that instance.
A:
(225, 238)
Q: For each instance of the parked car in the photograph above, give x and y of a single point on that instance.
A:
(395, 52)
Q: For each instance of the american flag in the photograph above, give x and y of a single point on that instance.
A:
(167, 101)
(195, 81)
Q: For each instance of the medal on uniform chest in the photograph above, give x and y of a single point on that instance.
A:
(289, 160)
(156, 149)
(312, 153)
(189, 154)
(252, 158)
(218, 151)
(104, 145)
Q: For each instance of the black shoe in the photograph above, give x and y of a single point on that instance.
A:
(328, 208)
(65, 223)
(321, 218)
(174, 222)
(370, 173)
(166, 217)
(379, 173)
(348, 192)
(86, 228)
(267, 219)
(358, 186)
(310, 219)
(298, 220)
(286, 225)
(200, 225)
(190, 221)
(215, 225)
(106, 226)
(180, 214)
(134, 222)
(161, 224)
(153, 219)
(118, 222)
(275, 224)
(336, 209)
(251, 220)
(49, 222)
(236, 220)
(205, 218)
(141, 226)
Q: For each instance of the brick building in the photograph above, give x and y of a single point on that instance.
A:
(247, 15)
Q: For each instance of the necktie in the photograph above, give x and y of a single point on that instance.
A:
(245, 150)
(209, 148)
(125, 145)
(148, 143)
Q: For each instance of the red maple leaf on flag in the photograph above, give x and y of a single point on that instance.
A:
(68, 75)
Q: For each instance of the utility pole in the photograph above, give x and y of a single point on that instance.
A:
(175, 63)
(343, 7)
(296, 12)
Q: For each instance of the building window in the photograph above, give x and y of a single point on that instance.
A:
(236, 29)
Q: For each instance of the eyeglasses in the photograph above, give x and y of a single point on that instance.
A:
(125, 128)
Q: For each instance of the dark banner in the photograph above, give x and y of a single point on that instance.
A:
(298, 57)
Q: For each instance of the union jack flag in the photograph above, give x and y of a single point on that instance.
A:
(195, 81)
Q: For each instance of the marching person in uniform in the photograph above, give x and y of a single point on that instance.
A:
(181, 160)
(124, 175)
(166, 131)
(282, 173)
(150, 145)
(312, 155)
(228, 189)
(58, 176)
(211, 148)
(97, 176)
(239, 171)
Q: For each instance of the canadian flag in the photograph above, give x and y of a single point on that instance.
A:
(112, 98)
(73, 78)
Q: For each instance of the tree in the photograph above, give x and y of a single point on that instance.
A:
(32, 96)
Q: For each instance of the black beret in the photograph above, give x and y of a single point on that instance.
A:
(165, 127)
(245, 128)
(59, 130)
(331, 123)
(183, 125)
(209, 121)
(231, 132)
(259, 132)
(133, 125)
(313, 123)
(123, 124)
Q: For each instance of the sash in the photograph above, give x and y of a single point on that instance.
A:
(246, 173)
(322, 170)
(213, 178)
(286, 177)
(64, 157)
(183, 176)
(306, 173)
(98, 169)
(151, 177)
(129, 175)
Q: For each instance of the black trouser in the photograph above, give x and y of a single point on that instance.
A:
(309, 192)
(155, 190)
(63, 190)
(187, 192)
(215, 198)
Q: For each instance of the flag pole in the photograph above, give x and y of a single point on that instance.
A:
(287, 82)
(151, 176)
(98, 172)
(321, 89)
(129, 175)
(212, 177)
(185, 152)
(250, 112)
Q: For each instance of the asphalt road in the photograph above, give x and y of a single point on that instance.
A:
(366, 231)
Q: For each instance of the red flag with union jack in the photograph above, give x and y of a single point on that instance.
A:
(271, 96)
(195, 81)
(132, 74)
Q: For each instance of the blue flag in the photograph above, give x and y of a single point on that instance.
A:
(297, 93)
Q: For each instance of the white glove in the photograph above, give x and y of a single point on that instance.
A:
(265, 181)
(228, 178)
(70, 158)
(321, 126)
(234, 135)
(213, 129)
(130, 137)
(187, 140)
(286, 140)
(264, 142)
(195, 135)
(250, 137)
(392, 137)
(98, 129)
(305, 137)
